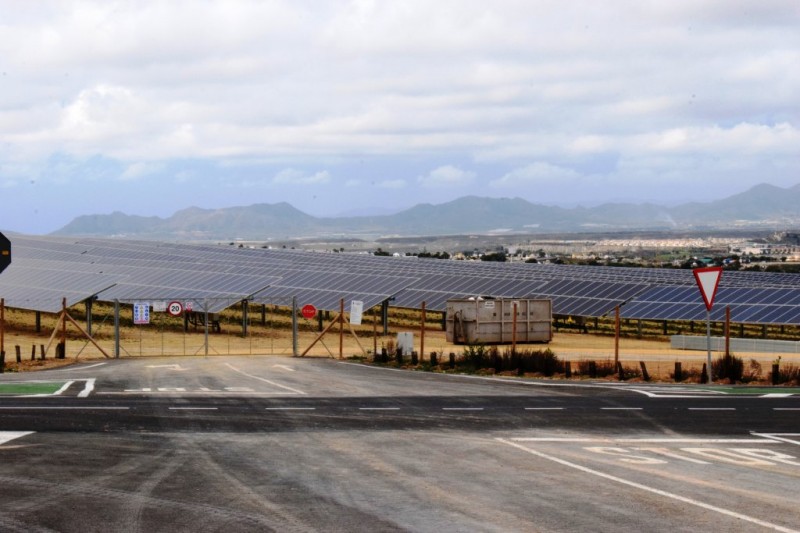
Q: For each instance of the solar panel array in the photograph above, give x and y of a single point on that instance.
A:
(45, 269)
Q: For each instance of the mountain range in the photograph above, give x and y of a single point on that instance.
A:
(761, 206)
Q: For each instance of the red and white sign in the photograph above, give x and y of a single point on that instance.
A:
(175, 308)
(308, 311)
(708, 280)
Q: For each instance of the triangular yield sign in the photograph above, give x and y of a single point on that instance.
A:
(708, 280)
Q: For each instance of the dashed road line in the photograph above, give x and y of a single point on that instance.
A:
(462, 408)
(378, 408)
(544, 408)
(711, 408)
(290, 408)
(193, 408)
(621, 408)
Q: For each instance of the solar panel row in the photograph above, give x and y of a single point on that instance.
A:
(45, 269)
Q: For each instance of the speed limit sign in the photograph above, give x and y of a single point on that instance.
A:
(175, 308)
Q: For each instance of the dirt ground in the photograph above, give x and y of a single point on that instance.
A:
(142, 341)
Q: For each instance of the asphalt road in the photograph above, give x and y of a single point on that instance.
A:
(282, 444)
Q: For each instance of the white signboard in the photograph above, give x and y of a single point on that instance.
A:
(159, 306)
(356, 310)
(141, 313)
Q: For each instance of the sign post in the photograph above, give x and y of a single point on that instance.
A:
(5, 252)
(708, 281)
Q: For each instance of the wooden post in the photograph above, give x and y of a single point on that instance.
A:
(422, 333)
(341, 328)
(19, 353)
(645, 374)
(63, 341)
(616, 336)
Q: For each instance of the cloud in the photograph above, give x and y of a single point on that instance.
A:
(446, 176)
(520, 91)
(535, 173)
(139, 170)
(290, 176)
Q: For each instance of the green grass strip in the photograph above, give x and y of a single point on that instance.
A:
(754, 390)
(22, 389)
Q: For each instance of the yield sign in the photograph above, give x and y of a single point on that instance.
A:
(708, 280)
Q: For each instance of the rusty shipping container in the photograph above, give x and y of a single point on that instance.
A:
(484, 320)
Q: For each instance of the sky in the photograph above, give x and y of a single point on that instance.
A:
(370, 107)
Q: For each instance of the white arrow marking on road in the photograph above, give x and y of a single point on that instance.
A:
(6, 436)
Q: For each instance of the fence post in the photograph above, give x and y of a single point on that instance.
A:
(19, 353)
(678, 371)
(645, 374)
(567, 369)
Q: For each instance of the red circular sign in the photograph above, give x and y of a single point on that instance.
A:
(308, 311)
(175, 308)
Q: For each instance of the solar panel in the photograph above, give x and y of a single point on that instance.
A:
(54, 267)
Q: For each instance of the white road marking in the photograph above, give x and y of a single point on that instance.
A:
(544, 408)
(62, 408)
(621, 408)
(290, 408)
(59, 391)
(712, 408)
(295, 391)
(378, 408)
(653, 490)
(6, 436)
(781, 437)
(776, 395)
(658, 440)
(193, 408)
(284, 367)
(80, 367)
(462, 408)
(170, 367)
(786, 408)
(87, 389)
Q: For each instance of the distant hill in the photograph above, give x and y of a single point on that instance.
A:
(763, 205)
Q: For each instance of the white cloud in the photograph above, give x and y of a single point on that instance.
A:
(139, 170)
(410, 85)
(290, 176)
(446, 176)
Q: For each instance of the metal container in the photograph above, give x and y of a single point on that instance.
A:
(485, 320)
